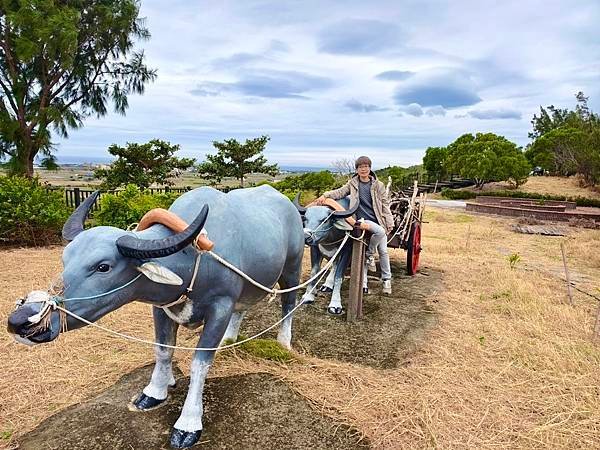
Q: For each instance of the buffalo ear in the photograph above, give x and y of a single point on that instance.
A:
(341, 224)
(160, 274)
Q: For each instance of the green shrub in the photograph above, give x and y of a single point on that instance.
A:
(401, 177)
(452, 194)
(30, 215)
(263, 348)
(318, 182)
(129, 206)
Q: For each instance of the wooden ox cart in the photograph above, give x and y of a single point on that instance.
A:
(408, 217)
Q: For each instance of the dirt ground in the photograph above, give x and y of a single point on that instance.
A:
(252, 411)
(390, 330)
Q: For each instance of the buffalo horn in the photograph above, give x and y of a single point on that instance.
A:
(346, 213)
(296, 202)
(74, 225)
(133, 247)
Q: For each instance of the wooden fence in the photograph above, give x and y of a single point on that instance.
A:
(74, 196)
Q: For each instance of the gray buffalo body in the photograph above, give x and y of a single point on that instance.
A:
(257, 230)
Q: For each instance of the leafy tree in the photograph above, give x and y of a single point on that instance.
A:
(585, 115)
(234, 159)
(401, 177)
(557, 149)
(60, 62)
(487, 157)
(514, 168)
(49, 163)
(569, 145)
(142, 165)
(550, 119)
(316, 182)
(434, 162)
(567, 151)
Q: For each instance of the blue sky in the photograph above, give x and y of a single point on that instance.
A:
(338, 79)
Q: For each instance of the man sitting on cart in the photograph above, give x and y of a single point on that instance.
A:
(373, 211)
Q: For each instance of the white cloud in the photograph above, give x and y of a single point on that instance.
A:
(413, 109)
(489, 114)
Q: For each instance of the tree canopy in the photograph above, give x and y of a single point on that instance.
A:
(234, 159)
(142, 165)
(487, 157)
(60, 62)
(49, 163)
(401, 176)
(434, 162)
(318, 182)
(566, 142)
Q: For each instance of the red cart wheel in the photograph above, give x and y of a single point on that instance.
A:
(414, 249)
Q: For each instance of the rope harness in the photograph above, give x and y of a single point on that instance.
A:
(54, 302)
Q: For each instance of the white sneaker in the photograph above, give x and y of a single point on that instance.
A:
(371, 264)
(387, 287)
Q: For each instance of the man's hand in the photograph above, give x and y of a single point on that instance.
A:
(364, 226)
(320, 200)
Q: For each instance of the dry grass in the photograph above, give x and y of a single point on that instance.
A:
(568, 186)
(509, 365)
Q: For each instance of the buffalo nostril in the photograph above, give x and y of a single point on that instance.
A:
(18, 320)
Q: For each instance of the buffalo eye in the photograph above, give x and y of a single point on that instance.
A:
(103, 267)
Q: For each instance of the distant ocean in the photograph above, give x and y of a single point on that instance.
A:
(76, 160)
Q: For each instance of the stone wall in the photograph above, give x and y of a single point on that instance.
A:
(531, 212)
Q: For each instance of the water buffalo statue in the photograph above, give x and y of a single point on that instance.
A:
(257, 230)
(324, 231)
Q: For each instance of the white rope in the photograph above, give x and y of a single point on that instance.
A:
(324, 222)
(281, 291)
(184, 297)
(90, 297)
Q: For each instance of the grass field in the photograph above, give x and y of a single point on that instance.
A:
(508, 365)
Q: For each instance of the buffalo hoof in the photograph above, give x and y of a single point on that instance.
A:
(335, 310)
(184, 439)
(145, 403)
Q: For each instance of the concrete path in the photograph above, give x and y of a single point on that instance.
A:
(452, 204)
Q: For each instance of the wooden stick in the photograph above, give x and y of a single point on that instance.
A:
(356, 282)
(564, 258)
(468, 237)
(597, 325)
